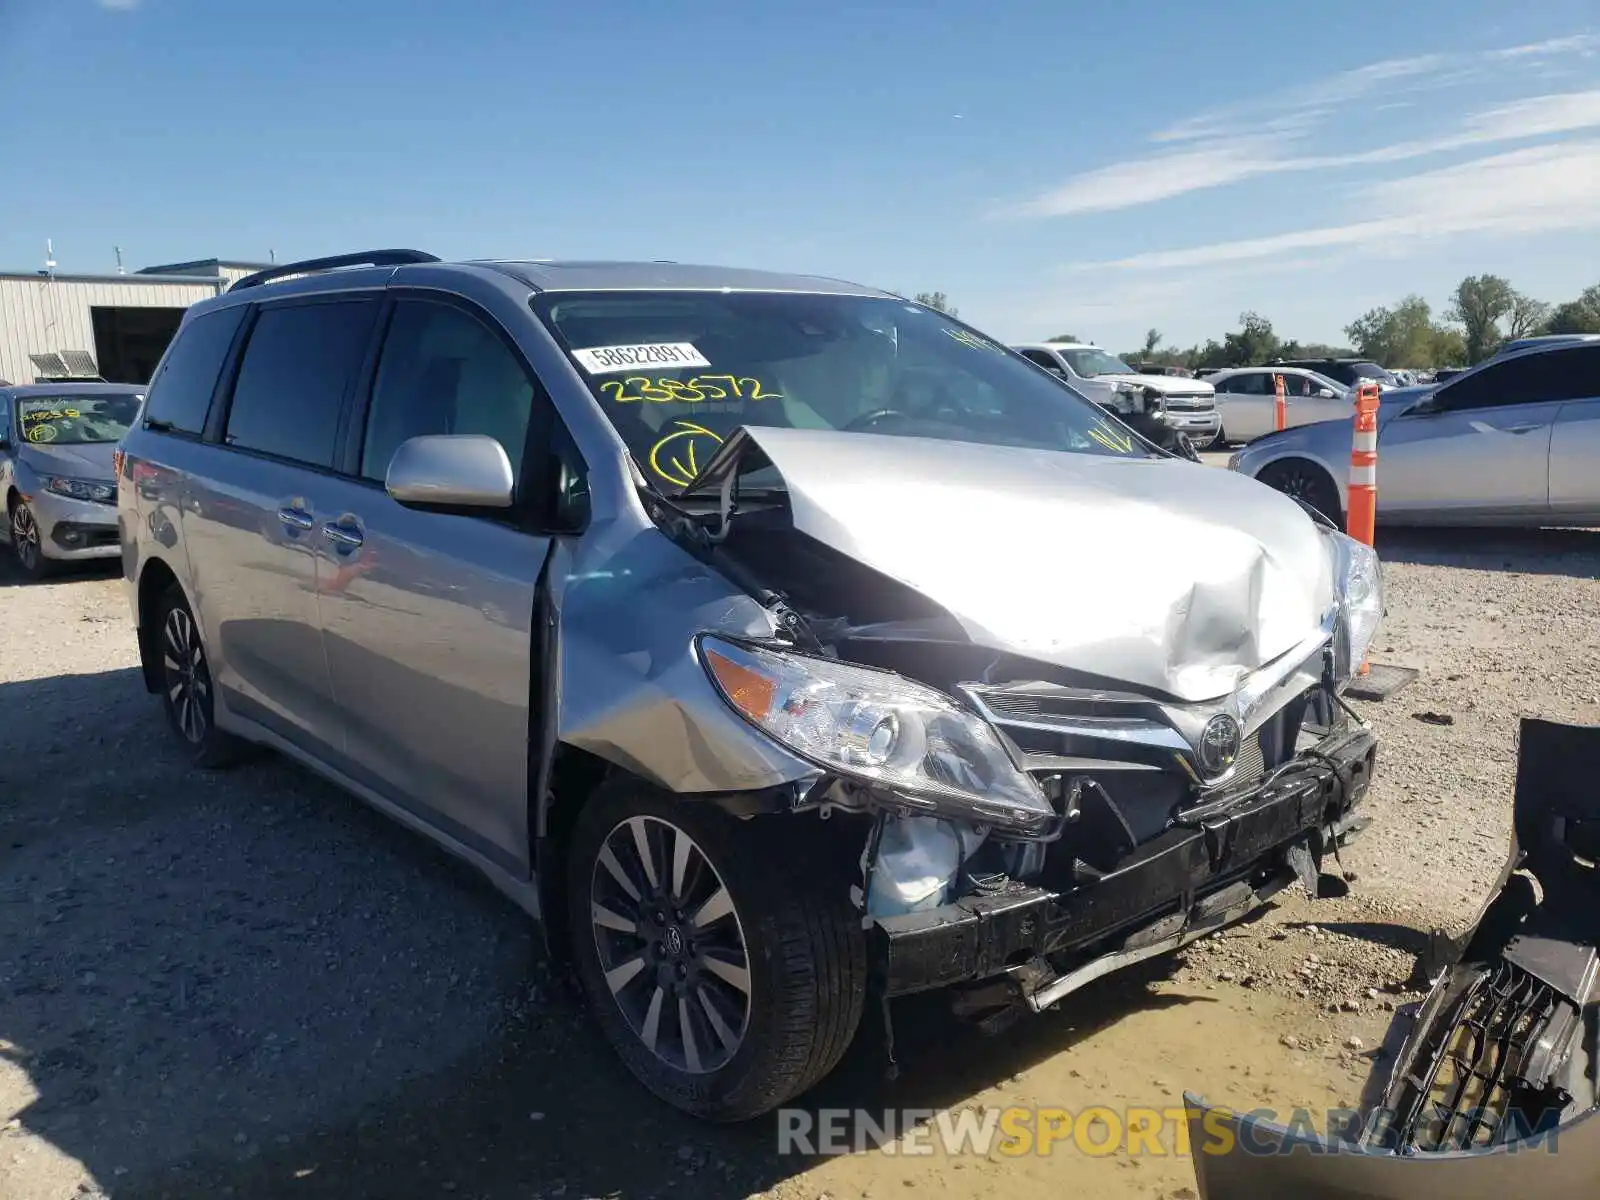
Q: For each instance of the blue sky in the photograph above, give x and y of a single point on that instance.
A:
(1098, 169)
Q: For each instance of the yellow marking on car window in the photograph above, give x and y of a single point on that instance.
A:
(971, 340)
(42, 433)
(677, 457)
(1111, 437)
(638, 388)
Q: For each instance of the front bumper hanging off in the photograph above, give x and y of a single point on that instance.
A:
(1210, 868)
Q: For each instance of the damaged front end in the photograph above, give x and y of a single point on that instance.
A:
(1071, 761)
(1496, 1090)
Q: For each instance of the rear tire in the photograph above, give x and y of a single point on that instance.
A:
(780, 1000)
(187, 692)
(1307, 482)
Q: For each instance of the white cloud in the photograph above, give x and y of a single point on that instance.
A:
(1578, 43)
(1244, 141)
(1536, 190)
(1319, 94)
(1142, 181)
(119, 5)
(1213, 164)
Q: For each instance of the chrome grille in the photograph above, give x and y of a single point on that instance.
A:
(1191, 403)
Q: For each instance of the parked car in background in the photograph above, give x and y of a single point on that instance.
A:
(56, 478)
(1160, 369)
(1514, 441)
(1350, 372)
(1544, 339)
(1184, 405)
(1247, 400)
(771, 638)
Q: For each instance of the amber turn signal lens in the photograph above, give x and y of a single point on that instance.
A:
(751, 692)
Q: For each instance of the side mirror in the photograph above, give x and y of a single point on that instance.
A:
(467, 470)
(1325, 394)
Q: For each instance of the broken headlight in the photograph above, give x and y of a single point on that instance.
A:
(880, 728)
(1358, 575)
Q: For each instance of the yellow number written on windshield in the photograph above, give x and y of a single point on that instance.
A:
(637, 388)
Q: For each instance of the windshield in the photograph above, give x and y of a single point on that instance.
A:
(677, 372)
(1367, 370)
(1089, 363)
(76, 420)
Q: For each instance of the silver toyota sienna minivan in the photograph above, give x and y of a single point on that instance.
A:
(784, 645)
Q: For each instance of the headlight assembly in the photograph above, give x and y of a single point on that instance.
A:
(911, 740)
(81, 489)
(1358, 575)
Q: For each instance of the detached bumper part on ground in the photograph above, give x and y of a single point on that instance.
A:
(1040, 940)
(1496, 1090)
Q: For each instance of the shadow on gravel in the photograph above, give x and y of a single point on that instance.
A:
(549, 1112)
(248, 984)
(11, 575)
(1574, 552)
(1381, 933)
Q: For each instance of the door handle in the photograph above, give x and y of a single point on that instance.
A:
(344, 536)
(295, 518)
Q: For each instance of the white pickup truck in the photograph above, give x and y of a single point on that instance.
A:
(1188, 406)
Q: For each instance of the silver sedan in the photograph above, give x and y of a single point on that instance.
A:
(1246, 398)
(1515, 441)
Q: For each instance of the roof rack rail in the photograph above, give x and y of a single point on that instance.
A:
(361, 258)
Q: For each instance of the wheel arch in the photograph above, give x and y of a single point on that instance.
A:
(574, 776)
(155, 577)
(1311, 460)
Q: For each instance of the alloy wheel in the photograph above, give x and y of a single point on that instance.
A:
(671, 948)
(188, 681)
(25, 537)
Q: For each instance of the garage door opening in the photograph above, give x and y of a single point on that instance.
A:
(128, 342)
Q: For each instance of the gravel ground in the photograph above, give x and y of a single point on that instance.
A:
(247, 984)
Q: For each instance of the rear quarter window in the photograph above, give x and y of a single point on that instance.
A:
(179, 396)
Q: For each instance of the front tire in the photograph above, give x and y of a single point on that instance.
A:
(186, 687)
(727, 979)
(1307, 482)
(27, 545)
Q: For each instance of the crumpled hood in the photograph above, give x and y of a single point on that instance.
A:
(1160, 573)
(91, 461)
(1165, 384)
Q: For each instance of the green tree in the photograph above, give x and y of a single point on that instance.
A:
(1152, 339)
(1065, 337)
(1449, 347)
(935, 300)
(1577, 316)
(1212, 354)
(1527, 315)
(1252, 344)
(1480, 302)
(1402, 336)
(1294, 348)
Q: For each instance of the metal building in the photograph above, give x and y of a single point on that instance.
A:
(114, 327)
